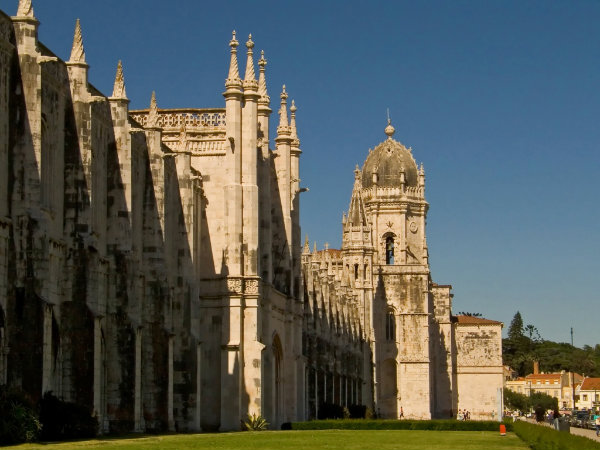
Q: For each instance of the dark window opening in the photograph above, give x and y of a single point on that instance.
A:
(389, 250)
(390, 326)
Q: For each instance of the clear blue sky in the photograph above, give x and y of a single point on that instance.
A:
(499, 99)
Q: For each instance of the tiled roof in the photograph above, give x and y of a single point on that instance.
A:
(543, 376)
(590, 384)
(470, 320)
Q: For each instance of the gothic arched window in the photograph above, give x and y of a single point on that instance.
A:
(390, 326)
(389, 250)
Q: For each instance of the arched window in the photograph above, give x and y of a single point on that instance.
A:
(390, 326)
(356, 271)
(389, 250)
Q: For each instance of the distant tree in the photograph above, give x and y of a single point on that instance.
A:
(515, 330)
(470, 314)
(545, 401)
(514, 400)
(532, 333)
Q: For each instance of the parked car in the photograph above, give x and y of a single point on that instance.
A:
(590, 424)
(580, 419)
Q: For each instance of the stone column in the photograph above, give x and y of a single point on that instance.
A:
(198, 418)
(252, 351)
(231, 370)
(6, 52)
(47, 350)
(138, 416)
(233, 165)
(249, 166)
(283, 169)
(26, 34)
(170, 416)
(264, 176)
(98, 372)
(316, 394)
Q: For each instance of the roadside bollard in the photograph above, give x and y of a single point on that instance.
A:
(502, 430)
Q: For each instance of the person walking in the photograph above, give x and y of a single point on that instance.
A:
(597, 423)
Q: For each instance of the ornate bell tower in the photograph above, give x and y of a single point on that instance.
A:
(386, 226)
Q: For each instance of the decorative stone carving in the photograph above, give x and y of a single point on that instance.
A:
(194, 119)
(251, 286)
(234, 285)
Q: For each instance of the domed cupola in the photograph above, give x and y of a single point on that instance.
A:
(387, 161)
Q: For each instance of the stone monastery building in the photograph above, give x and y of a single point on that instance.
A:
(152, 269)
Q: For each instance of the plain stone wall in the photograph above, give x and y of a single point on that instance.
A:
(479, 368)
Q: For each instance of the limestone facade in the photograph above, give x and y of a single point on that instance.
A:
(406, 353)
(150, 260)
(151, 265)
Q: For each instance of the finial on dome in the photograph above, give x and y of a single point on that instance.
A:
(389, 130)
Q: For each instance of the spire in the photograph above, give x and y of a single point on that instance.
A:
(315, 247)
(152, 121)
(283, 118)
(262, 82)
(233, 78)
(306, 249)
(294, 132)
(25, 9)
(250, 75)
(356, 212)
(77, 52)
(119, 86)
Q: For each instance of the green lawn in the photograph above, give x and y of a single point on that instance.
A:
(301, 440)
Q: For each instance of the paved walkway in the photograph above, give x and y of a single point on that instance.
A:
(590, 434)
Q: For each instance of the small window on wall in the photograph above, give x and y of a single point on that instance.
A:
(356, 271)
(390, 326)
(389, 250)
(585, 398)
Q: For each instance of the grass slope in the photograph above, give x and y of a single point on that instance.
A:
(302, 440)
